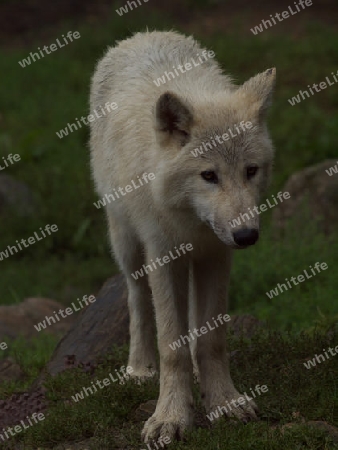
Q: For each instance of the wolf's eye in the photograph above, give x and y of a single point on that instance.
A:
(251, 171)
(209, 176)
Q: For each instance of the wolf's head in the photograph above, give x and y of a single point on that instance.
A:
(217, 156)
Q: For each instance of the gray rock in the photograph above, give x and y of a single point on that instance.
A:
(103, 324)
(16, 196)
(10, 370)
(19, 319)
(314, 197)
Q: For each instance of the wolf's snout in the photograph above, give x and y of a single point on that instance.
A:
(247, 236)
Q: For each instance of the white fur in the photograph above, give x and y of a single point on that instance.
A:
(177, 207)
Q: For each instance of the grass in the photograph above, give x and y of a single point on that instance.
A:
(41, 99)
(107, 418)
(300, 306)
(32, 357)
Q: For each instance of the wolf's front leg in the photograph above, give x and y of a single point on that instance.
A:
(174, 410)
(210, 286)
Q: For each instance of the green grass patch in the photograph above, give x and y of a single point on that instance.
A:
(106, 418)
(260, 269)
(32, 356)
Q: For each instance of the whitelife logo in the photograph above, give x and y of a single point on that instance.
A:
(332, 170)
(203, 330)
(49, 229)
(124, 9)
(108, 198)
(312, 362)
(284, 14)
(221, 139)
(165, 259)
(187, 66)
(3, 346)
(121, 377)
(12, 431)
(53, 47)
(65, 312)
(300, 278)
(240, 400)
(262, 208)
(317, 87)
(161, 442)
(10, 160)
(90, 118)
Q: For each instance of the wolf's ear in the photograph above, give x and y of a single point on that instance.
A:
(174, 117)
(259, 89)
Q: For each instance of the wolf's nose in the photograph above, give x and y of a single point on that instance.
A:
(247, 236)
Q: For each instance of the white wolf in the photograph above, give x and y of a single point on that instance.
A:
(191, 201)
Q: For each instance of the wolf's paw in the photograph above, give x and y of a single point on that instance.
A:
(160, 426)
(233, 405)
